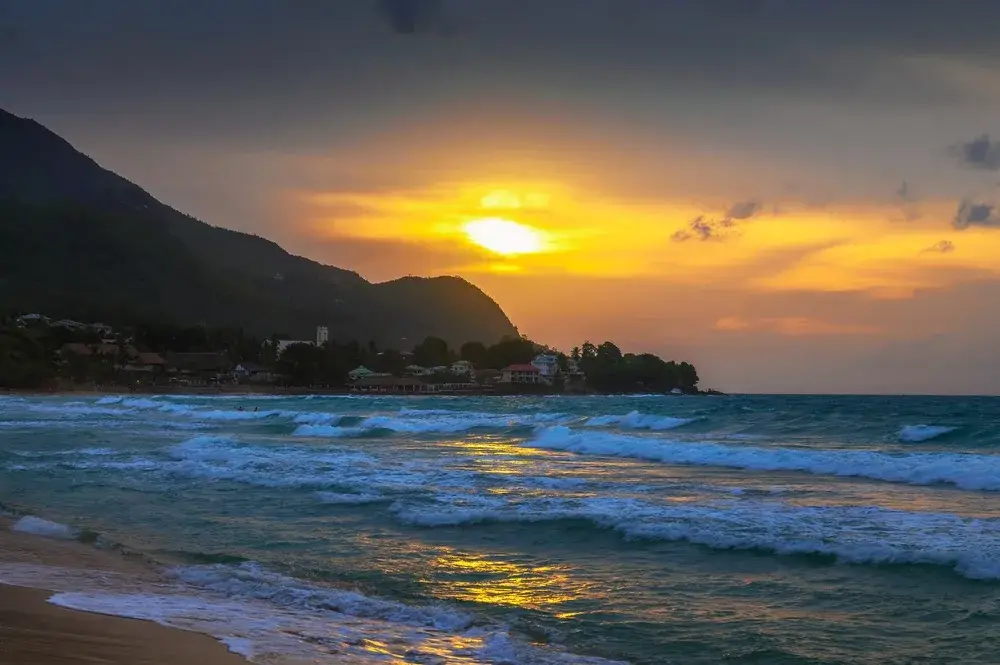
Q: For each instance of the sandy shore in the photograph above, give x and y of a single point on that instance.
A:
(35, 632)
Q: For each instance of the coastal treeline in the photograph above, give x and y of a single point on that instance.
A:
(609, 370)
(40, 355)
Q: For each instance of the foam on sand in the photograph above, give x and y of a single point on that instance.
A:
(44, 528)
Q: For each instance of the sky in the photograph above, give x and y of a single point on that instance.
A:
(794, 195)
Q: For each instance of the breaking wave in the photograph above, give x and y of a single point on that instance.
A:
(636, 420)
(965, 470)
(862, 535)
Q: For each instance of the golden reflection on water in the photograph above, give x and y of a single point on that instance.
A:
(484, 578)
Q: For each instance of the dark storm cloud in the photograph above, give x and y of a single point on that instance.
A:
(970, 213)
(307, 54)
(409, 16)
(979, 153)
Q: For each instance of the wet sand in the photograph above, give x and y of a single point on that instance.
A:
(35, 632)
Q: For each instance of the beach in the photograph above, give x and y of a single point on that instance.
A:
(36, 632)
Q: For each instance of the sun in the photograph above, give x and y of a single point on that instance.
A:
(505, 237)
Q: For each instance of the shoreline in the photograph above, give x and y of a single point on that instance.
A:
(35, 631)
(246, 391)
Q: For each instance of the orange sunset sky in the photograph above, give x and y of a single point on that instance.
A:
(795, 197)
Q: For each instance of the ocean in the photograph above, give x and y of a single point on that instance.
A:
(569, 530)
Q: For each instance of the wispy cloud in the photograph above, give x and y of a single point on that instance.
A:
(940, 247)
(705, 228)
(793, 326)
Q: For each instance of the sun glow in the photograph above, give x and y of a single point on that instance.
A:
(505, 237)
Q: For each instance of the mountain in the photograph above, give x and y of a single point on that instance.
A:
(77, 240)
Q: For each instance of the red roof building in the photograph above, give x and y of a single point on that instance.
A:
(522, 374)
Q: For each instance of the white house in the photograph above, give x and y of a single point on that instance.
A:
(463, 368)
(548, 365)
(362, 372)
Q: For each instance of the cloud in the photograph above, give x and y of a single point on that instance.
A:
(980, 153)
(940, 247)
(407, 17)
(743, 209)
(904, 192)
(702, 228)
(970, 213)
(793, 326)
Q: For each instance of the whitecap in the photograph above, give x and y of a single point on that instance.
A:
(636, 420)
(920, 433)
(966, 471)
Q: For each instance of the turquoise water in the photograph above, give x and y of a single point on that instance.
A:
(642, 529)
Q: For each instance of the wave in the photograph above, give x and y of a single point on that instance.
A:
(432, 423)
(861, 535)
(636, 420)
(337, 498)
(966, 471)
(324, 424)
(269, 617)
(224, 458)
(920, 433)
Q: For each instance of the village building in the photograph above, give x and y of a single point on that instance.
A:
(521, 375)
(362, 372)
(199, 368)
(395, 385)
(463, 368)
(548, 366)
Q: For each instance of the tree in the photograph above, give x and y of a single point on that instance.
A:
(301, 364)
(609, 370)
(609, 353)
(687, 375)
(390, 362)
(476, 353)
(563, 362)
(510, 351)
(432, 352)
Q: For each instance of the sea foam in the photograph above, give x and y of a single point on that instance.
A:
(919, 433)
(636, 420)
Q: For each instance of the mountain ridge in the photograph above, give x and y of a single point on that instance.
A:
(59, 206)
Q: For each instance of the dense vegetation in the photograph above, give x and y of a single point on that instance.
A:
(609, 370)
(81, 242)
(32, 357)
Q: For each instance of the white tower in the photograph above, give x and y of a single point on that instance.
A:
(322, 335)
